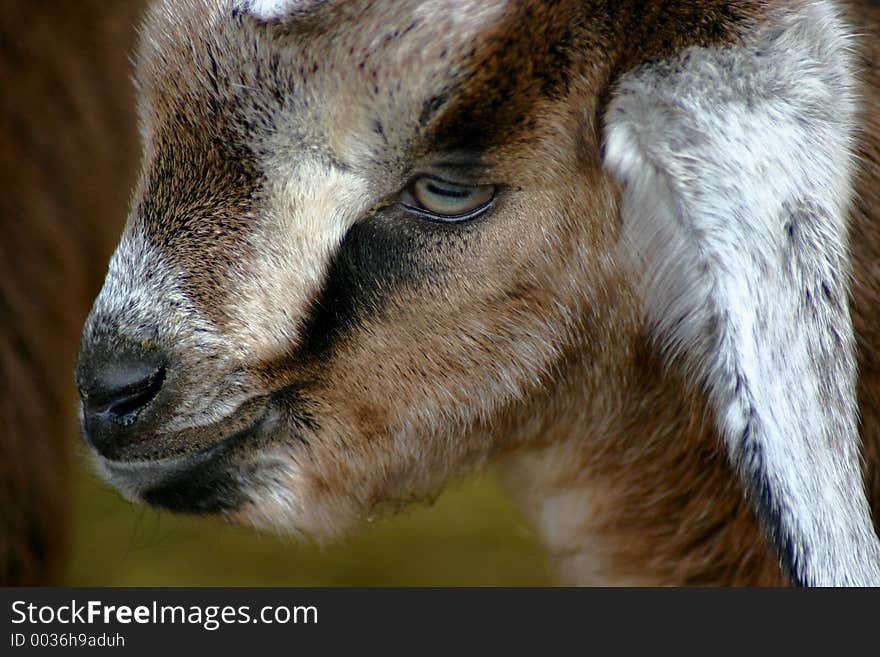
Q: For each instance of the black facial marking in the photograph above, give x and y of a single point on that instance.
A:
(387, 251)
(203, 490)
(203, 483)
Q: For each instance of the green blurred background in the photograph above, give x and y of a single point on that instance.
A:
(471, 536)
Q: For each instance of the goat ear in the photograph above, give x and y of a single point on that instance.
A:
(736, 173)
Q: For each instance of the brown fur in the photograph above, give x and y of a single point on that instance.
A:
(501, 343)
(865, 247)
(67, 155)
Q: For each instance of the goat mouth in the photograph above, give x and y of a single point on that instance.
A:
(200, 482)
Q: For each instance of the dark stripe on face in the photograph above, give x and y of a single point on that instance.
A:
(206, 481)
(493, 104)
(202, 491)
(389, 251)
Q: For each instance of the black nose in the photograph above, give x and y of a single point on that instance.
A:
(115, 391)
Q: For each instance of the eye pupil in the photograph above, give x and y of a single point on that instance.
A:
(445, 201)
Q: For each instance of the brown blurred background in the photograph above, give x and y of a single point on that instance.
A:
(68, 157)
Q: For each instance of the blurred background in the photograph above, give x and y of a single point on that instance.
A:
(68, 157)
(471, 536)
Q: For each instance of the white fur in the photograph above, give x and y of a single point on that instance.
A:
(721, 151)
(141, 299)
(474, 13)
(270, 9)
(310, 207)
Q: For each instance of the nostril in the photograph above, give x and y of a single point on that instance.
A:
(125, 408)
(124, 386)
(121, 390)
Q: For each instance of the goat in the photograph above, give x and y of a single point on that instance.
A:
(68, 154)
(605, 245)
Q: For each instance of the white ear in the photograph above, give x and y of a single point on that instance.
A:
(736, 168)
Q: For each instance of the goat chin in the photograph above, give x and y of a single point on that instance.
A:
(374, 246)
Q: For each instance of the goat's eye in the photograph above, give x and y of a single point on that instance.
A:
(445, 201)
